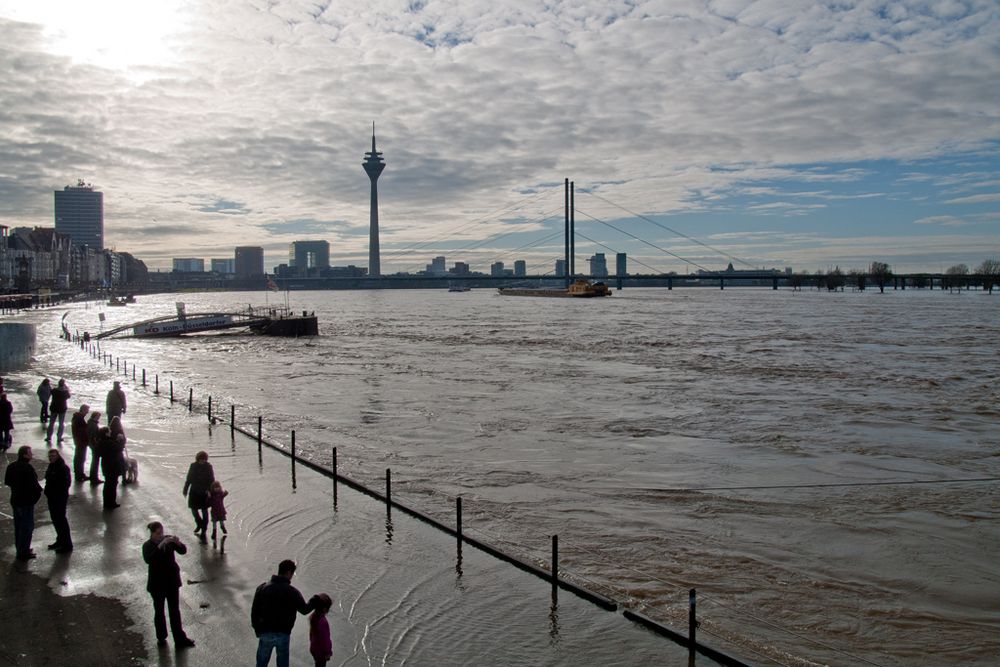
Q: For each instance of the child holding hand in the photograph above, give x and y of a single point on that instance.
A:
(218, 507)
(320, 644)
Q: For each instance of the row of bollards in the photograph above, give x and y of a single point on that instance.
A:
(553, 574)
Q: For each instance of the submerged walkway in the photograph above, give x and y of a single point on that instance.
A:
(401, 591)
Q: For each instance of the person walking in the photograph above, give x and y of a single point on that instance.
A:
(320, 644)
(25, 492)
(115, 405)
(58, 403)
(6, 422)
(44, 393)
(163, 583)
(111, 465)
(94, 442)
(197, 488)
(57, 482)
(272, 614)
(217, 503)
(81, 442)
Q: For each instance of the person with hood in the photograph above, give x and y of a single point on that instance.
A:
(94, 442)
(58, 404)
(163, 583)
(272, 614)
(81, 442)
(57, 482)
(25, 492)
(44, 393)
(115, 405)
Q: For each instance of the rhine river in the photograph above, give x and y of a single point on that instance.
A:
(733, 441)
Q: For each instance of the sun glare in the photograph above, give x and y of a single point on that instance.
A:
(115, 34)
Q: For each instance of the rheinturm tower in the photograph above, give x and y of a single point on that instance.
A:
(373, 164)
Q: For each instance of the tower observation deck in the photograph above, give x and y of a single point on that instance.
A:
(373, 164)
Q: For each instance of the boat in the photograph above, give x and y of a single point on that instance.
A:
(117, 301)
(580, 289)
(456, 288)
(268, 320)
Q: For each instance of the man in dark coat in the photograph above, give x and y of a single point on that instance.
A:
(24, 494)
(94, 440)
(164, 583)
(58, 404)
(112, 451)
(272, 614)
(197, 487)
(115, 405)
(81, 442)
(57, 482)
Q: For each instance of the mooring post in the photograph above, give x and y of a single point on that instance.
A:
(260, 433)
(232, 419)
(133, 372)
(190, 399)
(293, 458)
(388, 488)
(118, 367)
(210, 409)
(334, 457)
(171, 391)
(458, 518)
(692, 623)
(555, 563)
(157, 390)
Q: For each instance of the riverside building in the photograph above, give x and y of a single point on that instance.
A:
(79, 213)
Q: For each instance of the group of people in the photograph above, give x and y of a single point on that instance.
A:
(275, 603)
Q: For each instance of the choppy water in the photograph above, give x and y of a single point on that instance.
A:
(601, 420)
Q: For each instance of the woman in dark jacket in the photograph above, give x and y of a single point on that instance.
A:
(6, 422)
(198, 489)
(112, 449)
(57, 482)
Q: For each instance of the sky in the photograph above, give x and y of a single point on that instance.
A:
(777, 133)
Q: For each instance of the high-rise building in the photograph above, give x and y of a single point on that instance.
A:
(621, 265)
(520, 267)
(249, 261)
(599, 266)
(306, 255)
(460, 269)
(560, 269)
(223, 266)
(437, 267)
(496, 269)
(189, 265)
(79, 213)
(373, 164)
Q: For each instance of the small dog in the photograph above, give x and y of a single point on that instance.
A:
(131, 470)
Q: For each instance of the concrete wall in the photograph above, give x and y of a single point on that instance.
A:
(17, 345)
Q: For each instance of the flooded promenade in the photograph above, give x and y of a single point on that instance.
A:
(400, 593)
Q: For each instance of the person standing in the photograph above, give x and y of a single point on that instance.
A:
(272, 614)
(57, 482)
(118, 433)
(6, 422)
(197, 488)
(44, 393)
(164, 583)
(112, 450)
(58, 403)
(24, 494)
(94, 442)
(81, 442)
(115, 405)
(320, 644)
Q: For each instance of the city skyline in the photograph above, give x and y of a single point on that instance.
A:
(814, 137)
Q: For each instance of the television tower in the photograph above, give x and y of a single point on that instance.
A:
(373, 164)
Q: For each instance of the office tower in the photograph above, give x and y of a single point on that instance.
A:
(305, 255)
(80, 214)
(373, 164)
(189, 265)
(620, 265)
(520, 268)
(496, 269)
(223, 266)
(436, 267)
(560, 267)
(249, 261)
(460, 269)
(599, 266)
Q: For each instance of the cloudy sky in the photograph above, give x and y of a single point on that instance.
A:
(780, 132)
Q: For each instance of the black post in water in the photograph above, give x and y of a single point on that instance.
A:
(143, 377)
(388, 489)
(133, 372)
(117, 365)
(555, 563)
(171, 391)
(293, 458)
(232, 419)
(334, 457)
(157, 390)
(190, 399)
(458, 518)
(692, 623)
(260, 437)
(210, 410)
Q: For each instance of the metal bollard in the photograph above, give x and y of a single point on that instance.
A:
(388, 488)
(293, 458)
(210, 410)
(190, 399)
(133, 372)
(143, 377)
(555, 562)
(260, 435)
(692, 623)
(171, 391)
(458, 518)
(157, 390)
(232, 419)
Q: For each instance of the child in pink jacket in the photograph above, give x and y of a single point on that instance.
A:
(320, 644)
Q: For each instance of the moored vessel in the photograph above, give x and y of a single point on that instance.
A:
(581, 289)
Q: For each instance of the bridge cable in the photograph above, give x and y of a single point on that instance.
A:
(622, 231)
(636, 261)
